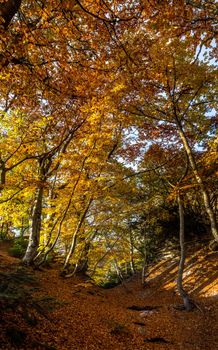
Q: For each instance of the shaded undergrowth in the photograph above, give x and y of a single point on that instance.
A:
(17, 288)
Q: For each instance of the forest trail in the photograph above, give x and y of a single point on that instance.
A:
(62, 314)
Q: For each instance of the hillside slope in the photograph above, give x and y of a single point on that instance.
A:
(41, 310)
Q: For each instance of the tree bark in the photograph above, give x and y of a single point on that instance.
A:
(118, 270)
(82, 265)
(34, 237)
(187, 303)
(144, 266)
(205, 195)
(3, 173)
(131, 252)
(75, 234)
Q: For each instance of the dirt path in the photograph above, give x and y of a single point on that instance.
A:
(87, 317)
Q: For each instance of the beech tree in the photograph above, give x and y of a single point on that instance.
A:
(88, 89)
(163, 96)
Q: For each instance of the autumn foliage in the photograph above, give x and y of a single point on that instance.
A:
(107, 112)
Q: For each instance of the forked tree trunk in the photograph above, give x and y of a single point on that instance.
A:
(187, 303)
(205, 195)
(34, 237)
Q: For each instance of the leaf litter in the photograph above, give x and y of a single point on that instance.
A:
(59, 313)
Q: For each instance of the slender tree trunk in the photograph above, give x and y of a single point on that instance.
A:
(50, 248)
(144, 266)
(75, 234)
(118, 270)
(58, 233)
(3, 173)
(187, 303)
(131, 251)
(33, 244)
(200, 182)
(2, 230)
(82, 265)
(7, 229)
(47, 244)
(72, 246)
(102, 257)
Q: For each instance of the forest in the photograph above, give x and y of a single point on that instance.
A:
(108, 157)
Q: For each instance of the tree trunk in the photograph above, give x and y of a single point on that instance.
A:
(187, 303)
(33, 244)
(103, 257)
(32, 248)
(118, 270)
(144, 266)
(82, 265)
(49, 249)
(131, 251)
(3, 173)
(75, 234)
(47, 245)
(200, 182)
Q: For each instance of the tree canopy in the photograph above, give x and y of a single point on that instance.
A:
(108, 114)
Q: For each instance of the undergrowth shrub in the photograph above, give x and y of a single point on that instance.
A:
(19, 247)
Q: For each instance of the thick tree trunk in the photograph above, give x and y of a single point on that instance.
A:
(33, 244)
(32, 248)
(187, 303)
(200, 182)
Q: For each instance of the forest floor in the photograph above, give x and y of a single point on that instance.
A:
(41, 310)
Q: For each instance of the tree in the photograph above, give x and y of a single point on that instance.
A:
(167, 102)
(86, 88)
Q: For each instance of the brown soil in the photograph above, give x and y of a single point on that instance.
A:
(88, 317)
